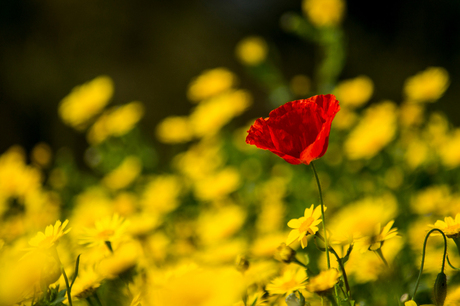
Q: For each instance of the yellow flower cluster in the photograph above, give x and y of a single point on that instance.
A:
(324, 13)
(219, 102)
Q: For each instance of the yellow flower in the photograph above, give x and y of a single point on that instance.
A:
(217, 186)
(354, 92)
(50, 237)
(375, 241)
(324, 13)
(116, 121)
(449, 150)
(304, 226)
(427, 86)
(124, 174)
(41, 154)
(219, 224)
(174, 129)
(291, 280)
(322, 282)
(108, 229)
(375, 130)
(210, 83)
(300, 85)
(211, 115)
(252, 50)
(410, 303)
(450, 226)
(196, 286)
(86, 101)
(161, 194)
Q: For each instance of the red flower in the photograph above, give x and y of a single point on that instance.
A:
(297, 131)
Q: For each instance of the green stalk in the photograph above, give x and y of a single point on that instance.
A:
(326, 243)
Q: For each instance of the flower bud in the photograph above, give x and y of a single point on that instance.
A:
(293, 300)
(440, 289)
(284, 253)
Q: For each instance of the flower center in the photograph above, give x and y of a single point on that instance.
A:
(106, 234)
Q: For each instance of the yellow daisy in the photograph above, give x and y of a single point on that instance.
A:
(323, 282)
(50, 237)
(304, 226)
(106, 230)
(292, 279)
(449, 226)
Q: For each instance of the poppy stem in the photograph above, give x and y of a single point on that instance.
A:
(326, 242)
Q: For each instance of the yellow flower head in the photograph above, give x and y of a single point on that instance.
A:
(324, 281)
(174, 129)
(324, 13)
(252, 50)
(292, 279)
(115, 122)
(375, 130)
(304, 226)
(210, 83)
(161, 194)
(50, 237)
(427, 86)
(85, 101)
(450, 226)
(375, 242)
(354, 92)
(108, 229)
(124, 174)
(211, 115)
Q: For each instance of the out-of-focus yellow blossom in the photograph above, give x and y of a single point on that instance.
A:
(17, 180)
(322, 282)
(86, 101)
(427, 86)
(58, 178)
(123, 258)
(41, 154)
(261, 272)
(116, 121)
(143, 223)
(216, 225)
(436, 131)
(417, 153)
(304, 226)
(200, 160)
(433, 199)
(292, 279)
(300, 85)
(211, 115)
(210, 83)
(50, 237)
(125, 203)
(255, 299)
(222, 253)
(251, 50)
(449, 151)
(197, 287)
(370, 211)
(266, 246)
(375, 130)
(161, 194)
(354, 92)
(124, 174)
(218, 185)
(410, 303)
(108, 229)
(174, 129)
(345, 119)
(450, 226)
(86, 283)
(271, 216)
(324, 13)
(411, 114)
(157, 245)
(90, 206)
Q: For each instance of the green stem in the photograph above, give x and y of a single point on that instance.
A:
(67, 286)
(326, 243)
(344, 274)
(380, 254)
(423, 256)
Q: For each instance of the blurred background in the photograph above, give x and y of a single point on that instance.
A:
(153, 49)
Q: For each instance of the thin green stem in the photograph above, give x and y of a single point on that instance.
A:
(67, 286)
(326, 243)
(380, 255)
(344, 274)
(423, 256)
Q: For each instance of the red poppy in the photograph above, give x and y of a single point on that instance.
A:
(297, 131)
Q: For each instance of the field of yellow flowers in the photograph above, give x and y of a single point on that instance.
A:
(332, 198)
